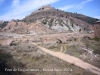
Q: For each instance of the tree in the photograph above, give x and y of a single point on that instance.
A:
(84, 29)
(72, 25)
(62, 16)
(9, 27)
(80, 30)
(44, 22)
(16, 23)
(43, 8)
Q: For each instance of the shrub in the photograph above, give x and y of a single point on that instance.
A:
(96, 39)
(96, 51)
(44, 22)
(58, 41)
(13, 43)
(79, 30)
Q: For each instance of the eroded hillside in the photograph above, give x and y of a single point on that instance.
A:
(47, 19)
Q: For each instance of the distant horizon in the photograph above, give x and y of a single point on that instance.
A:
(18, 9)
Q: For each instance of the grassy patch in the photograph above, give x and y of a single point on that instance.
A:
(53, 47)
(74, 51)
(96, 39)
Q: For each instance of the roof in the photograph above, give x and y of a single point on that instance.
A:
(98, 21)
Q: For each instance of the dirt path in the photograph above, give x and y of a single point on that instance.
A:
(74, 60)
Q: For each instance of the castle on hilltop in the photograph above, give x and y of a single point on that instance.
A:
(47, 7)
(44, 8)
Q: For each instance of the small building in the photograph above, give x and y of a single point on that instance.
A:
(97, 29)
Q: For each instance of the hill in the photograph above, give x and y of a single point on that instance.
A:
(60, 21)
(54, 20)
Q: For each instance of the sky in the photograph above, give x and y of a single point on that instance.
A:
(18, 9)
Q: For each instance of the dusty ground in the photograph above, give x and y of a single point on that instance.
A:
(28, 56)
(73, 60)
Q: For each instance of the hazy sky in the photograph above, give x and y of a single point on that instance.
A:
(18, 9)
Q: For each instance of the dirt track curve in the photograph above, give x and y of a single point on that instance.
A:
(74, 60)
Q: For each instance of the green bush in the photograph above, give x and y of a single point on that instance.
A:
(97, 51)
(96, 39)
(44, 22)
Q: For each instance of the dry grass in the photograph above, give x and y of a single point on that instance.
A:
(75, 48)
(32, 57)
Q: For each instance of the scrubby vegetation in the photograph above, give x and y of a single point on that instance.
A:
(7, 62)
(33, 58)
(85, 48)
(96, 39)
(83, 17)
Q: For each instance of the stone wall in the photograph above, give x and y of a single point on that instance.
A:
(97, 29)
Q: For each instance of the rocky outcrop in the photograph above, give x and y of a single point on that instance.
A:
(5, 42)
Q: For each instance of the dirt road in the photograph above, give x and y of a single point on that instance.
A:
(74, 60)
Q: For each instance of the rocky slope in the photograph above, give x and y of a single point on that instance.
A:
(24, 28)
(50, 20)
(60, 21)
